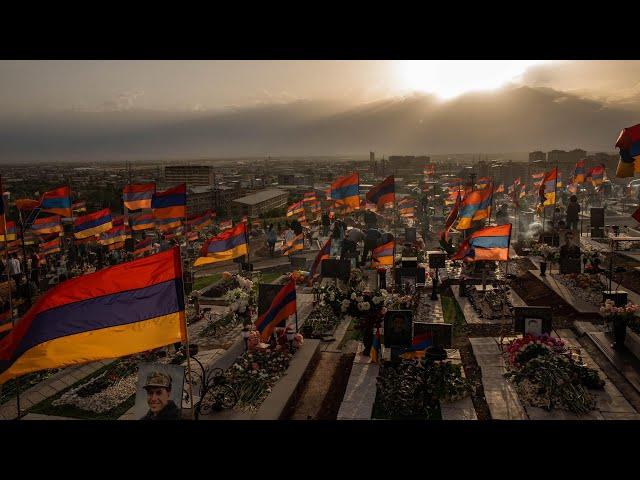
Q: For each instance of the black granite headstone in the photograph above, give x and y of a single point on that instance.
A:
(532, 320)
(398, 328)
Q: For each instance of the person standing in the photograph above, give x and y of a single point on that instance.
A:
(370, 242)
(35, 269)
(271, 239)
(14, 269)
(350, 242)
(573, 213)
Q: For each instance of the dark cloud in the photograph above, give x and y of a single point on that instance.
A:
(513, 119)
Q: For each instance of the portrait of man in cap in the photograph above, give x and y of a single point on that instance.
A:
(158, 392)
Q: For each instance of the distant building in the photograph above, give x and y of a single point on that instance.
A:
(408, 161)
(192, 175)
(218, 198)
(537, 156)
(260, 202)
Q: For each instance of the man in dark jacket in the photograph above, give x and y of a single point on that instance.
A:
(370, 242)
(573, 213)
(161, 407)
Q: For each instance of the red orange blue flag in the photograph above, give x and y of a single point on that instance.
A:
(122, 310)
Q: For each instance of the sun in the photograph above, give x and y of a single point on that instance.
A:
(450, 78)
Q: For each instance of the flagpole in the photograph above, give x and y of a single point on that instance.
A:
(187, 346)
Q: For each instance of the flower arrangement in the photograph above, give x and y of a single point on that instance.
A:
(521, 350)
(547, 373)
(254, 374)
(299, 276)
(550, 254)
(626, 313)
(243, 299)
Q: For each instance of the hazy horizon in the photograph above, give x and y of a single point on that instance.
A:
(56, 111)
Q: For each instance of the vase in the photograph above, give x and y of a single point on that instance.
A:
(543, 268)
(619, 334)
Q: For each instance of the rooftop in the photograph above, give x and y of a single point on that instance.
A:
(261, 196)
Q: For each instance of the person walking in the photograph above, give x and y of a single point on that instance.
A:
(271, 239)
(573, 213)
(15, 269)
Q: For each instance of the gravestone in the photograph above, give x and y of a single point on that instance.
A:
(441, 333)
(410, 235)
(398, 328)
(532, 320)
(416, 276)
(335, 268)
(597, 222)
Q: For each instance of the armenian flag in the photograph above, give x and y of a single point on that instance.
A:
(27, 204)
(80, 207)
(142, 247)
(47, 225)
(476, 205)
(491, 243)
(281, 308)
(453, 197)
(548, 187)
(48, 248)
(383, 255)
(11, 234)
(323, 254)
(483, 183)
(227, 245)
(198, 222)
(451, 218)
(116, 234)
(117, 220)
(499, 188)
(171, 203)
(141, 221)
(383, 193)
(57, 201)
(537, 176)
(523, 191)
(407, 207)
(192, 236)
(30, 238)
(296, 244)
(419, 344)
(168, 224)
(92, 224)
(345, 191)
(376, 347)
(122, 310)
(579, 172)
(429, 170)
(138, 195)
(295, 209)
(309, 197)
(596, 174)
(629, 145)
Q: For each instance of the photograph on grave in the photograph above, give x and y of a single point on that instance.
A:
(398, 328)
(159, 392)
(532, 320)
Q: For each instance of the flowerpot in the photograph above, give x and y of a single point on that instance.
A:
(619, 334)
(543, 268)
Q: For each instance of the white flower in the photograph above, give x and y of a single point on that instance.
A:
(353, 296)
(360, 299)
(332, 297)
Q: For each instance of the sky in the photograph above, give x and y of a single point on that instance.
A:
(57, 108)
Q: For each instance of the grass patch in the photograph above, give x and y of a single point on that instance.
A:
(202, 282)
(452, 314)
(351, 334)
(46, 406)
(269, 277)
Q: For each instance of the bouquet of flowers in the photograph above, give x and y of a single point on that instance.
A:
(550, 254)
(521, 350)
(626, 314)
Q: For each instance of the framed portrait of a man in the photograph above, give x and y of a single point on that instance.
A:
(159, 392)
(398, 328)
(532, 320)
